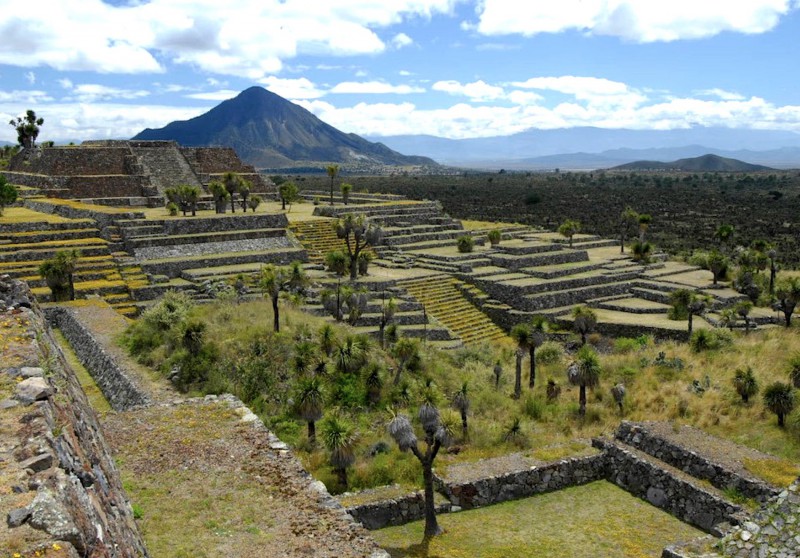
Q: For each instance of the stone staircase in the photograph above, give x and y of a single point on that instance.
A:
(97, 273)
(165, 164)
(443, 299)
(318, 238)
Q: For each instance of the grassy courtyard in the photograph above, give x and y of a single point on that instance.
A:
(597, 519)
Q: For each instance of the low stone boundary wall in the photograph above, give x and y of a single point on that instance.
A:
(79, 500)
(117, 386)
(103, 219)
(688, 461)
(396, 511)
(520, 484)
(665, 490)
(174, 267)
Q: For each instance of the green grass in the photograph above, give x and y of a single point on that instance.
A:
(603, 521)
(96, 398)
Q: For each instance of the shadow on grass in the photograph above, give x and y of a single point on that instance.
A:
(419, 550)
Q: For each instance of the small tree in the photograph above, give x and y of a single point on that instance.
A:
(333, 172)
(745, 383)
(787, 293)
(520, 333)
(253, 202)
(8, 194)
(718, 265)
(232, 182)
(58, 274)
(220, 194)
(461, 403)
(687, 304)
(538, 327)
(358, 234)
(584, 372)
(27, 128)
(346, 189)
(339, 438)
(406, 351)
(337, 262)
(498, 372)
(494, 236)
(388, 308)
(569, 228)
(465, 244)
(277, 279)
(436, 436)
(310, 402)
(743, 308)
(245, 187)
(724, 235)
(584, 321)
(779, 398)
(641, 251)
(289, 193)
(628, 223)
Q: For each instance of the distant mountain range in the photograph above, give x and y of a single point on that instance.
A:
(592, 148)
(704, 163)
(266, 130)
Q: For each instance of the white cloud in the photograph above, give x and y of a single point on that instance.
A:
(720, 93)
(476, 91)
(92, 92)
(595, 91)
(66, 83)
(79, 121)
(401, 40)
(636, 20)
(405, 73)
(221, 95)
(252, 40)
(30, 77)
(300, 88)
(29, 97)
(374, 87)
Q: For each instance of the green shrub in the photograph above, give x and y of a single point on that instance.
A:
(533, 407)
(550, 352)
(710, 339)
(494, 236)
(625, 345)
(337, 262)
(465, 244)
(172, 209)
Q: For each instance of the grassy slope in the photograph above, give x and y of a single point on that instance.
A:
(537, 527)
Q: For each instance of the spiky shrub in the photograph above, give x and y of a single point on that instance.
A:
(339, 438)
(794, 370)
(337, 262)
(584, 372)
(465, 244)
(745, 383)
(779, 398)
(494, 237)
(310, 403)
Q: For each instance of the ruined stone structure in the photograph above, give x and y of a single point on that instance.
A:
(121, 172)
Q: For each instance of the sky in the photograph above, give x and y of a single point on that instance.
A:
(451, 68)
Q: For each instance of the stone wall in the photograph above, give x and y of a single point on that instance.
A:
(520, 484)
(632, 330)
(73, 161)
(396, 511)
(79, 500)
(102, 218)
(637, 435)
(666, 490)
(119, 388)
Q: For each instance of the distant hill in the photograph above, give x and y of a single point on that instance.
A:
(266, 130)
(704, 163)
(590, 148)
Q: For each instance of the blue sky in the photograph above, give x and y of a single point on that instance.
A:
(449, 68)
